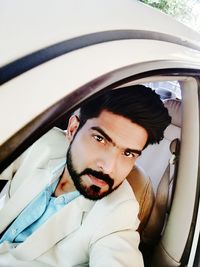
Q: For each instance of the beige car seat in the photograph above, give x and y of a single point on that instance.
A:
(155, 158)
(145, 183)
(142, 187)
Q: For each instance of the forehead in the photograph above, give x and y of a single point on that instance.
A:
(123, 132)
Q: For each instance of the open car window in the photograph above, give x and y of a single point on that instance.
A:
(184, 92)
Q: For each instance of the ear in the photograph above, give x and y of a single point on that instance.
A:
(73, 125)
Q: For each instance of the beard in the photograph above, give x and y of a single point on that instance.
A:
(92, 192)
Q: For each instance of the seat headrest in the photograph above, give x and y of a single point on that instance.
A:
(165, 94)
(175, 111)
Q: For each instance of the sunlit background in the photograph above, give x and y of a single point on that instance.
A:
(185, 11)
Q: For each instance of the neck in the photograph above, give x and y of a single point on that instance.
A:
(65, 184)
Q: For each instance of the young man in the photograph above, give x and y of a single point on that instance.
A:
(79, 210)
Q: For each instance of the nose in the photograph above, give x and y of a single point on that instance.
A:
(107, 163)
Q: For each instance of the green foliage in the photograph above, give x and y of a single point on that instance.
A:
(176, 8)
(186, 11)
(162, 4)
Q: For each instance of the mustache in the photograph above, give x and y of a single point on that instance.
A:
(100, 175)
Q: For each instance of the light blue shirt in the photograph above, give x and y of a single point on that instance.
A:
(36, 213)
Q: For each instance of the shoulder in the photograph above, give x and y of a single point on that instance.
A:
(53, 136)
(53, 144)
(116, 212)
(123, 196)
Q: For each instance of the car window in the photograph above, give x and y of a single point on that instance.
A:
(162, 87)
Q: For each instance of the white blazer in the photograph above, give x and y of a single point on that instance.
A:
(83, 233)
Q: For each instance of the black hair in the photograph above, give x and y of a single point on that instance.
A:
(138, 103)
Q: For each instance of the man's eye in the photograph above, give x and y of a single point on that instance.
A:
(129, 154)
(99, 138)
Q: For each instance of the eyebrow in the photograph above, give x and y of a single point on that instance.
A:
(107, 137)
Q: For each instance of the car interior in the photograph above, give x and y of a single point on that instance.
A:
(165, 177)
(154, 184)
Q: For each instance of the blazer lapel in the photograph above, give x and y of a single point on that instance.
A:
(29, 189)
(60, 225)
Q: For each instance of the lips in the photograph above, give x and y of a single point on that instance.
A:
(97, 181)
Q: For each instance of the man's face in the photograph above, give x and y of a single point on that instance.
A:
(103, 152)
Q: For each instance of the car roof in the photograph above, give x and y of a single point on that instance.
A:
(28, 26)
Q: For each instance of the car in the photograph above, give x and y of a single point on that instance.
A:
(57, 54)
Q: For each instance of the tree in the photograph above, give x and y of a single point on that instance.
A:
(186, 11)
